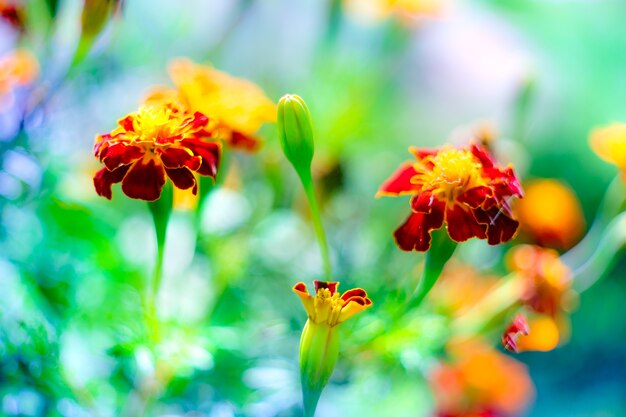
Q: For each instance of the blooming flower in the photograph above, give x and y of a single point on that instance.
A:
(610, 144)
(238, 106)
(479, 381)
(319, 344)
(17, 69)
(551, 213)
(155, 142)
(548, 295)
(461, 187)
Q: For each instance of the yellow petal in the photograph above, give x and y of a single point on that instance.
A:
(306, 298)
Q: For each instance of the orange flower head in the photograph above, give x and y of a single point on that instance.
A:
(548, 279)
(479, 382)
(156, 142)
(328, 306)
(17, 69)
(609, 143)
(238, 106)
(461, 187)
(551, 213)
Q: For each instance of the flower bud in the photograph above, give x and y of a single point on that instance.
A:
(296, 133)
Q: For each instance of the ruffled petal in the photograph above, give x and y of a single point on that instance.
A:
(355, 292)
(425, 202)
(119, 154)
(400, 182)
(104, 179)
(462, 225)
(500, 227)
(306, 298)
(414, 234)
(331, 285)
(208, 151)
(476, 196)
(183, 178)
(174, 157)
(353, 306)
(244, 142)
(144, 180)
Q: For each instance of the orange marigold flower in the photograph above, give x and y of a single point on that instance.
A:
(610, 144)
(238, 106)
(17, 69)
(462, 187)
(551, 213)
(328, 306)
(155, 142)
(548, 296)
(479, 382)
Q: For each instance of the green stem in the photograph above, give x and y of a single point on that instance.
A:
(309, 189)
(160, 210)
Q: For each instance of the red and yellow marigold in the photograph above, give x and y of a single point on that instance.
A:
(158, 141)
(463, 188)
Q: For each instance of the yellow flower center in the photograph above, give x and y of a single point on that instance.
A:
(453, 172)
(327, 307)
(154, 123)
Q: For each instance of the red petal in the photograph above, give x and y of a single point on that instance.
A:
(119, 154)
(475, 197)
(208, 151)
(421, 153)
(199, 120)
(332, 286)
(244, 142)
(424, 203)
(483, 156)
(173, 157)
(182, 178)
(500, 227)
(144, 181)
(462, 225)
(414, 234)
(355, 292)
(104, 179)
(127, 123)
(400, 182)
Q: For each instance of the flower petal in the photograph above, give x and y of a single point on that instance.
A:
(244, 142)
(462, 225)
(332, 286)
(400, 182)
(144, 180)
(208, 151)
(500, 227)
(306, 298)
(475, 197)
(353, 306)
(119, 154)
(182, 178)
(104, 179)
(424, 203)
(355, 292)
(174, 157)
(414, 234)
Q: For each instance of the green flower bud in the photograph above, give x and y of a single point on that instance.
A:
(296, 133)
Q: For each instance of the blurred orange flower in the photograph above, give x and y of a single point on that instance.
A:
(238, 106)
(609, 143)
(17, 69)
(479, 381)
(464, 188)
(548, 295)
(152, 144)
(551, 213)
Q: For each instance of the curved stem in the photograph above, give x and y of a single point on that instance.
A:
(316, 218)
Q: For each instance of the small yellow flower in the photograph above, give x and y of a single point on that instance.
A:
(239, 106)
(609, 143)
(551, 213)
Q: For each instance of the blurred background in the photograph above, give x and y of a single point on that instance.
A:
(535, 76)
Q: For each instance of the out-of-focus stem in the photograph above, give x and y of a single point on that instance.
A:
(504, 296)
(612, 241)
(612, 204)
(316, 218)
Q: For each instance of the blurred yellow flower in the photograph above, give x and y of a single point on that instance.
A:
(17, 69)
(239, 106)
(479, 381)
(378, 10)
(551, 213)
(609, 143)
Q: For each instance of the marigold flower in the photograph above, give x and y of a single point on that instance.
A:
(480, 381)
(519, 327)
(461, 187)
(17, 69)
(155, 142)
(238, 106)
(548, 295)
(609, 143)
(319, 345)
(551, 213)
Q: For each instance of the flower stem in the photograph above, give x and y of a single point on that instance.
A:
(441, 250)
(160, 210)
(316, 218)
